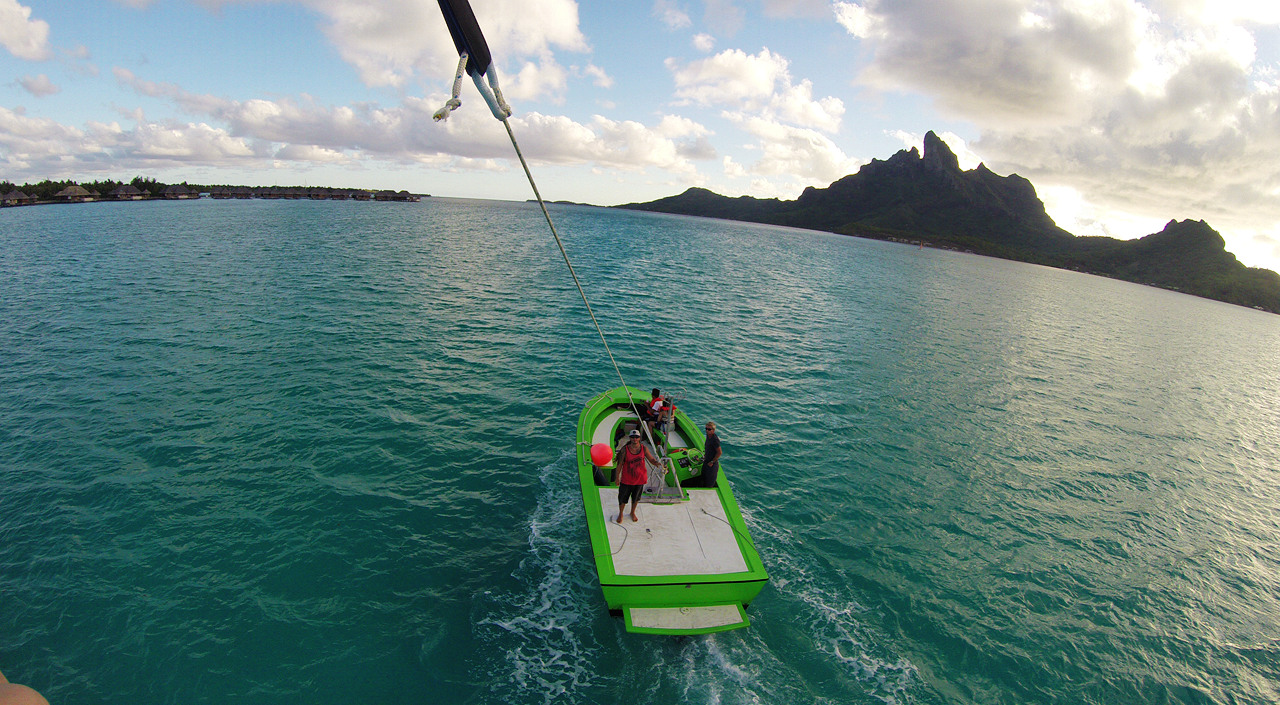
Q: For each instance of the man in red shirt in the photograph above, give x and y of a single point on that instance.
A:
(633, 473)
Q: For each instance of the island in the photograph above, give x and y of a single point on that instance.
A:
(926, 199)
(145, 189)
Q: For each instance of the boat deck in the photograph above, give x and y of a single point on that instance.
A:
(688, 538)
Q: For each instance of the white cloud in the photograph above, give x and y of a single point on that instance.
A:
(302, 130)
(755, 83)
(1145, 111)
(796, 105)
(1261, 12)
(190, 143)
(25, 141)
(388, 41)
(676, 127)
(312, 154)
(24, 37)
(671, 14)
(1028, 61)
(804, 154)
(190, 102)
(671, 145)
(704, 43)
(598, 76)
(42, 148)
(856, 20)
(729, 77)
(535, 80)
(38, 86)
(733, 169)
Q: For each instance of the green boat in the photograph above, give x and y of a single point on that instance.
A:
(688, 566)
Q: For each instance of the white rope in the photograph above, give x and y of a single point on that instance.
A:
(454, 103)
(492, 94)
(542, 204)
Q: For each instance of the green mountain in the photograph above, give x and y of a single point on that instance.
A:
(929, 199)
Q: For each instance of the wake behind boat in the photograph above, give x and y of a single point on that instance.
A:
(688, 566)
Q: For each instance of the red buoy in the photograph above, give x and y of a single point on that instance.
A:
(601, 454)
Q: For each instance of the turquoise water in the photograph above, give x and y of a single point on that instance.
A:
(313, 452)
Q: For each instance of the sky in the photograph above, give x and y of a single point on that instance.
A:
(1123, 114)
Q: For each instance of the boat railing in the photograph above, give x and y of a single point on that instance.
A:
(658, 491)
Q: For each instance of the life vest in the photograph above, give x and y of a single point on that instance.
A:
(634, 471)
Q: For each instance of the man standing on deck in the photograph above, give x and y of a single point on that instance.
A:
(710, 458)
(633, 473)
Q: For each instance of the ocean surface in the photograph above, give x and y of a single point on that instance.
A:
(322, 452)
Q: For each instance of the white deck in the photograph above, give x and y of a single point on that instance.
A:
(675, 440)
(685, 619)
(604, 430)
(689, 538)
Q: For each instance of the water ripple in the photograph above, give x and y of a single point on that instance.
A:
(319, 452)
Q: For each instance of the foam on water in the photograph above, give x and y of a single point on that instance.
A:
(832, 618)
(543, 632)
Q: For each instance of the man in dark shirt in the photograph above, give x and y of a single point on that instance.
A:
(711, 458)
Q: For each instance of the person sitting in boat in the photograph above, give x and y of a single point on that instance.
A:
(667, 411)
(633, 473)
(654, 410)
(646, 411)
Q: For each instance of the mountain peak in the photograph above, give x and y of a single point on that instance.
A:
(928, 199)
(938, 155)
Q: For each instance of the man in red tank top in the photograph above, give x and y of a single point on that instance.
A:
(632, 473)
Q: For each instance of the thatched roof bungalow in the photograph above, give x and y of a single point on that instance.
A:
(178, 191)
(16, 198)
(75, 193)
(127, 192)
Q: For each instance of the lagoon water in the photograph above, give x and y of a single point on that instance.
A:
(321, 452)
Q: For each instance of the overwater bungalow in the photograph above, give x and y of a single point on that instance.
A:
(16, 198)
(127, 192)
(178, 192)
(75, 193)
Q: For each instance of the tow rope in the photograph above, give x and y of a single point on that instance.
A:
(475, 59)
